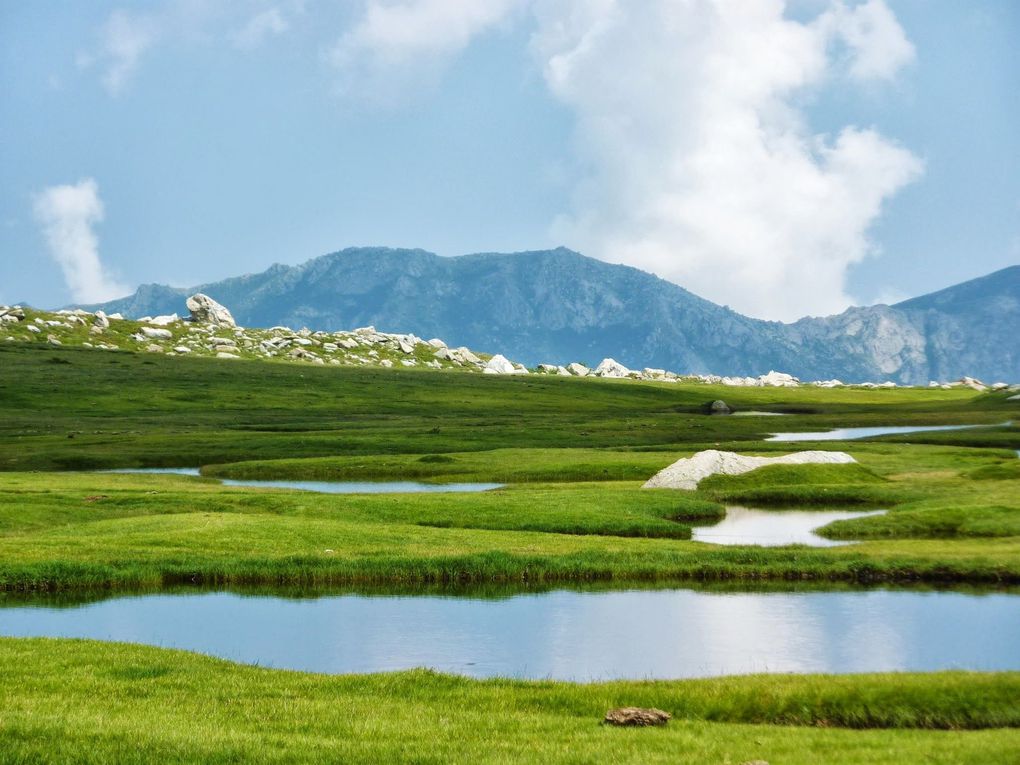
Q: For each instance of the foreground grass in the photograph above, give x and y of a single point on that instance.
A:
(83, 701)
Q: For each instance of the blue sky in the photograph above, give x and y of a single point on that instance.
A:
(784, 161)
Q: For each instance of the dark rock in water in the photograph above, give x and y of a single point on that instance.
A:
(636, 716)
(718, 407)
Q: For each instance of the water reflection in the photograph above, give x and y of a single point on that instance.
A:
(849, 434)
(331, 487)
(773, 528)
(565, 635)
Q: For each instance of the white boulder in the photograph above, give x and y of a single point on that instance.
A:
(205, 310)
(156, 333)
(611, 368)
(578, 369)
(779, 380)
(688, 472)
(499, 365)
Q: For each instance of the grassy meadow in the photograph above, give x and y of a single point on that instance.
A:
(572, 454)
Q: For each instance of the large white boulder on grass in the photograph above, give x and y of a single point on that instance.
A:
(688, 472)
(611, 368)
(499, 365)
(205, 310)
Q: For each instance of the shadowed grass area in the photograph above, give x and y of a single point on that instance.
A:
(116, 409)
(83, 701)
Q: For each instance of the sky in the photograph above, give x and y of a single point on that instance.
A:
(782, 158)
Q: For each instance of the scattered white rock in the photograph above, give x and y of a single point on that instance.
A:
(156, 333)
(162, 321)
(499, 365)
(205, 310)
(611, 368)
(226, 355)
(779, 380)
(578, 369)
(688, 472)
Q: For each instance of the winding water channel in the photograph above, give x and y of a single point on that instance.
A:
(564, 635)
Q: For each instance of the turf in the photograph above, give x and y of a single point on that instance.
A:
(89, 702)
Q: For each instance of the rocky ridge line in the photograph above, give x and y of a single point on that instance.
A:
(210, 330)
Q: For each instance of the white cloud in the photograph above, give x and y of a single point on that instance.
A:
(878, 46)
(702, 167)
(68, 215)
(268, 23)
(124, 38)
(399, 45)
(700, 164)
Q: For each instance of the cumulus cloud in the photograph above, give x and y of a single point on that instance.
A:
(400, 45)
(124, 39)
(268, 23)
(703, 168)
(700, 164)
(68, 215)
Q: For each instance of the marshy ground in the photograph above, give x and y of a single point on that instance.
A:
(573, 453)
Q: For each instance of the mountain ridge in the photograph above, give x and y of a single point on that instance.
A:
(559, 306)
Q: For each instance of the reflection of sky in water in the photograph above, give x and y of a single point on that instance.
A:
(847, 434)
(565, 635)
(331, 487)
(772, 528)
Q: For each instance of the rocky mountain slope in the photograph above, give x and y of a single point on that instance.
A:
(557, 306)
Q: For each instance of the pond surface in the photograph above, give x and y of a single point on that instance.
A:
(772, 528)
(564, 635)
(332, 487)
(848, 434)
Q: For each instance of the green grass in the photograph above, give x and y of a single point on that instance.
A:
(83, 701)
(117, 409)
(574, 453)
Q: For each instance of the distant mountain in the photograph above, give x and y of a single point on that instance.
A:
(559, 306)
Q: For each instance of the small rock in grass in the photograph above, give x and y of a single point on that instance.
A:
(719, 407)
(636, 716)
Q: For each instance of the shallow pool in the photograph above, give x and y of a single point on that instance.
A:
(773, 528)
(848, 434)
(332, 487)
(563, 634)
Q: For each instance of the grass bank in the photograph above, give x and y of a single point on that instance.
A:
(84, 701)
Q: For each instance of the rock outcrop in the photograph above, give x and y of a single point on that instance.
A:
(557, 305)
(205, 310)
(688, 472)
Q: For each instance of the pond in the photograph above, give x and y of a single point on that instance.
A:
(332, 487)
(772, 528)
(849, 434)
(563, 635)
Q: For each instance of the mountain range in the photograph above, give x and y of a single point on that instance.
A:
(558, 306)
